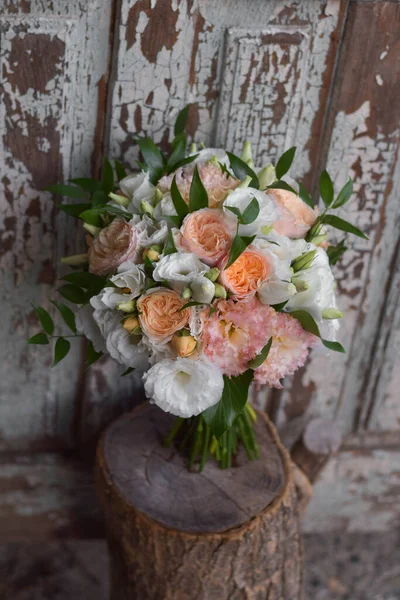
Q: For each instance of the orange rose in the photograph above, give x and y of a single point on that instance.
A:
(115, 244)
(245, 276)
(207, 234)
(160, 314)
(296, 216)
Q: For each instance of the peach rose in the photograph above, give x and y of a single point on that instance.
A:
(296, 216)
(160, 314)
(245, 276)
(115, 244)
(207, 234)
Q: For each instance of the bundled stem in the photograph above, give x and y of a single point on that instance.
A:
(194, 437)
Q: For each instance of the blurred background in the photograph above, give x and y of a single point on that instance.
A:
(78, 81)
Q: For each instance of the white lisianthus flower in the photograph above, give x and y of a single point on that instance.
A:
(184, 387)
(165, 208)
(137, 188)
(241, 198)
(126, 349)
(87, 325)
(275, 291)
(129, 276)
(203, 290)
(205, 155)
(148, 232)
(179, 269)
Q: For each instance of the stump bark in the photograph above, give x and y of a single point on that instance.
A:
(180, 535)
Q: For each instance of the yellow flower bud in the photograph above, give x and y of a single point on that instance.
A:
(131, 324)
(183, 345)
(151, 254)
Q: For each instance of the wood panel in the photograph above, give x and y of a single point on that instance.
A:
(362, 139)
(54, 60)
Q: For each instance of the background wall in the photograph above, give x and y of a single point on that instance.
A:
(79, 80)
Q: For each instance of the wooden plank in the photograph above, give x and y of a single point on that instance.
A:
(363, 138)
(44, 496)
(51, 81)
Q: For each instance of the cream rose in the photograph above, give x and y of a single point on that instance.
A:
(208, 234)
(114, 245)
(296, 217)
(161, 314)
(246, 275)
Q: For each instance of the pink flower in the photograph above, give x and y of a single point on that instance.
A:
(246, 275)
(217, 183)
(114, 245)
(207, 234)
(296, 216)
(236, 333)
(289, 350)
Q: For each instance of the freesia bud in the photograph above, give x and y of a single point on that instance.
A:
(193, 148)
(187, 293)
(132, 326)
(127, 307)
(220, 291)
(331, 313)
(76, 259)
(152, 254)
(266, 176)
(245, 183)
(212, 274)
(92, 229)
(118, 199)
(157, 196)
(147, 208)
(183, 345)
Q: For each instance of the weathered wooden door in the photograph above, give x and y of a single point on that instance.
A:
(77, 81)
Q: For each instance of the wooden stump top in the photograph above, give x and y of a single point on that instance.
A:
(155, 480)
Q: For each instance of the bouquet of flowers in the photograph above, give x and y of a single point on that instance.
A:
(203, 275)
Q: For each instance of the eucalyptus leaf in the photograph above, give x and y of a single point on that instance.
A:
(304, 195)
(67, 315)
(45, 319)
(39, 338)
(179, 204)
(198, 197)
(308, 324)
(63, 189)
(285, 162)
(343, 225)
(239, 245)
(242, 170)
(222, 415)
(326, 188)
(73, 293)
(261, 357)
(344, 194)
(61, 350)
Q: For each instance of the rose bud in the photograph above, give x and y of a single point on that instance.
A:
(183, 345)
(132, 326)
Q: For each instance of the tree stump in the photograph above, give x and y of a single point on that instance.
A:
(180, 535)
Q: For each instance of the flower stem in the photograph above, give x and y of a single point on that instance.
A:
(174, 432)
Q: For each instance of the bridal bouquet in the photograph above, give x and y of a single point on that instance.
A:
(203, 275)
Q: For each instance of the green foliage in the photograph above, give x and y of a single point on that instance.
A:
(93, 284)
(342, 225)
(344, 194)
(198, 197)
(67, 315)
(308, 323)
(239, 245)
(62, 189)
(180, 205)
(260, 358)
(242, 170)
(90, 185)
(181, 120)
(91, 355)
(282, 185)
(74, 210)
(61, 350)
(336, 252)
(94, 216)
(170, 247)
(285, 162)
(119, 170)
(153, 158)
(305, 196)
(73, 293)
(39, 338)
(326, 188)
(304, 261)
(249, 214)
(45, 320)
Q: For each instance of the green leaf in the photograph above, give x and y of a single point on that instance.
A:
(198, 197)
(304, 261)
(251, 212)
(282, 185)
(343, 225)
(74, 210)
(39, 338)
(183, 162)
(61, 350)
(170, 247)
(239, 245)
(234, 210)
(148, 267)
(336, 252)
(193, 303)
(67, 315)
(127, 372)
(344, 194)
(93, 215)
(45, 319)
(285, 162)
(91, 355)
(180, 205)
(152, 157)
(90, 185)
(279, 307)
(242, 170)
(308, 324)
(260, 358)
(107, 180)
(67, 190)
(177, 221)
(72, 293)
(119, 170)
(89, 281)
(326, 188)
(222, 415)
(181, 120)
(99, 198)
(304, 195)
(177, 155)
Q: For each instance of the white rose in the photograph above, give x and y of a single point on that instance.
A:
(149, 232)
(203, 290)
(241, 198)
(125, 349)
(165, 208)
(138, 189)
(179, 269)
(184, 387)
